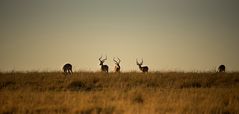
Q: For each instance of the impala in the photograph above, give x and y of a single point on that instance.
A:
(142, 68)
(221, 68)
(117, 67)
(104, 68)
(67, 68)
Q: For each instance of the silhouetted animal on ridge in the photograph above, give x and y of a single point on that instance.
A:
(67, 68)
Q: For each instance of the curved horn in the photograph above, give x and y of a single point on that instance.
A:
(105, 58)
(100, 58)
(142, 61)
(137, 62)
(119, 60)
(114, 60)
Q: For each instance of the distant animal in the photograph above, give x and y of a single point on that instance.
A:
(117, 67)
(142, 68)
(67, 68)
(221, 68)
(104, 68)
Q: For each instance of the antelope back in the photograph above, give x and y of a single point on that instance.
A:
(221, 68)
(67, 67)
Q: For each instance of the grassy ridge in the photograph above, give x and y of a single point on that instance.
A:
(94, 92)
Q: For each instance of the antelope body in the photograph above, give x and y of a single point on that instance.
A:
(67, 68)
(221, 68)
(142, 68)
(104, 68)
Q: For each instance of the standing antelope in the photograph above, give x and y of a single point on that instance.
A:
(221, 68)
(104, 68)
(67, 68)
(142, 68)
(117, 67)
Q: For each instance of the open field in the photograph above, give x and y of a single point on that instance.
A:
(124, 93)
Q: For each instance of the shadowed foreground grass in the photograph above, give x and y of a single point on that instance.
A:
(98, 93)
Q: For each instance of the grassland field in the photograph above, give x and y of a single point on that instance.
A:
(119, 93)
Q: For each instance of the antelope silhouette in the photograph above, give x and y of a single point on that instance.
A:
(67, 68)
(221, 68)
(142, 68)
(104, 68)
(117, 67)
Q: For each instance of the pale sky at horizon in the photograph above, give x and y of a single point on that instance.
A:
(175, 35)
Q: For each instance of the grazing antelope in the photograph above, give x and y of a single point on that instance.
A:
(221, 68)
(117, 67)
(104, 68)
(67, 68)
(142, 68)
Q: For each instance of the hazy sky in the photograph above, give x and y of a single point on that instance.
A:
(181, 35)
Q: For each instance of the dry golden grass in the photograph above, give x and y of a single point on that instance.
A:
(124, 93)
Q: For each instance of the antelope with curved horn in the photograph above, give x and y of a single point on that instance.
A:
(104, 68)
(67, 68)
(117, 67)
(221, 68)
(142, 68)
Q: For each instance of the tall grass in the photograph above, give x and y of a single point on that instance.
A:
(117, 93)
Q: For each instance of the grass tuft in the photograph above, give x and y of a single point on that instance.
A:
(118, 93)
